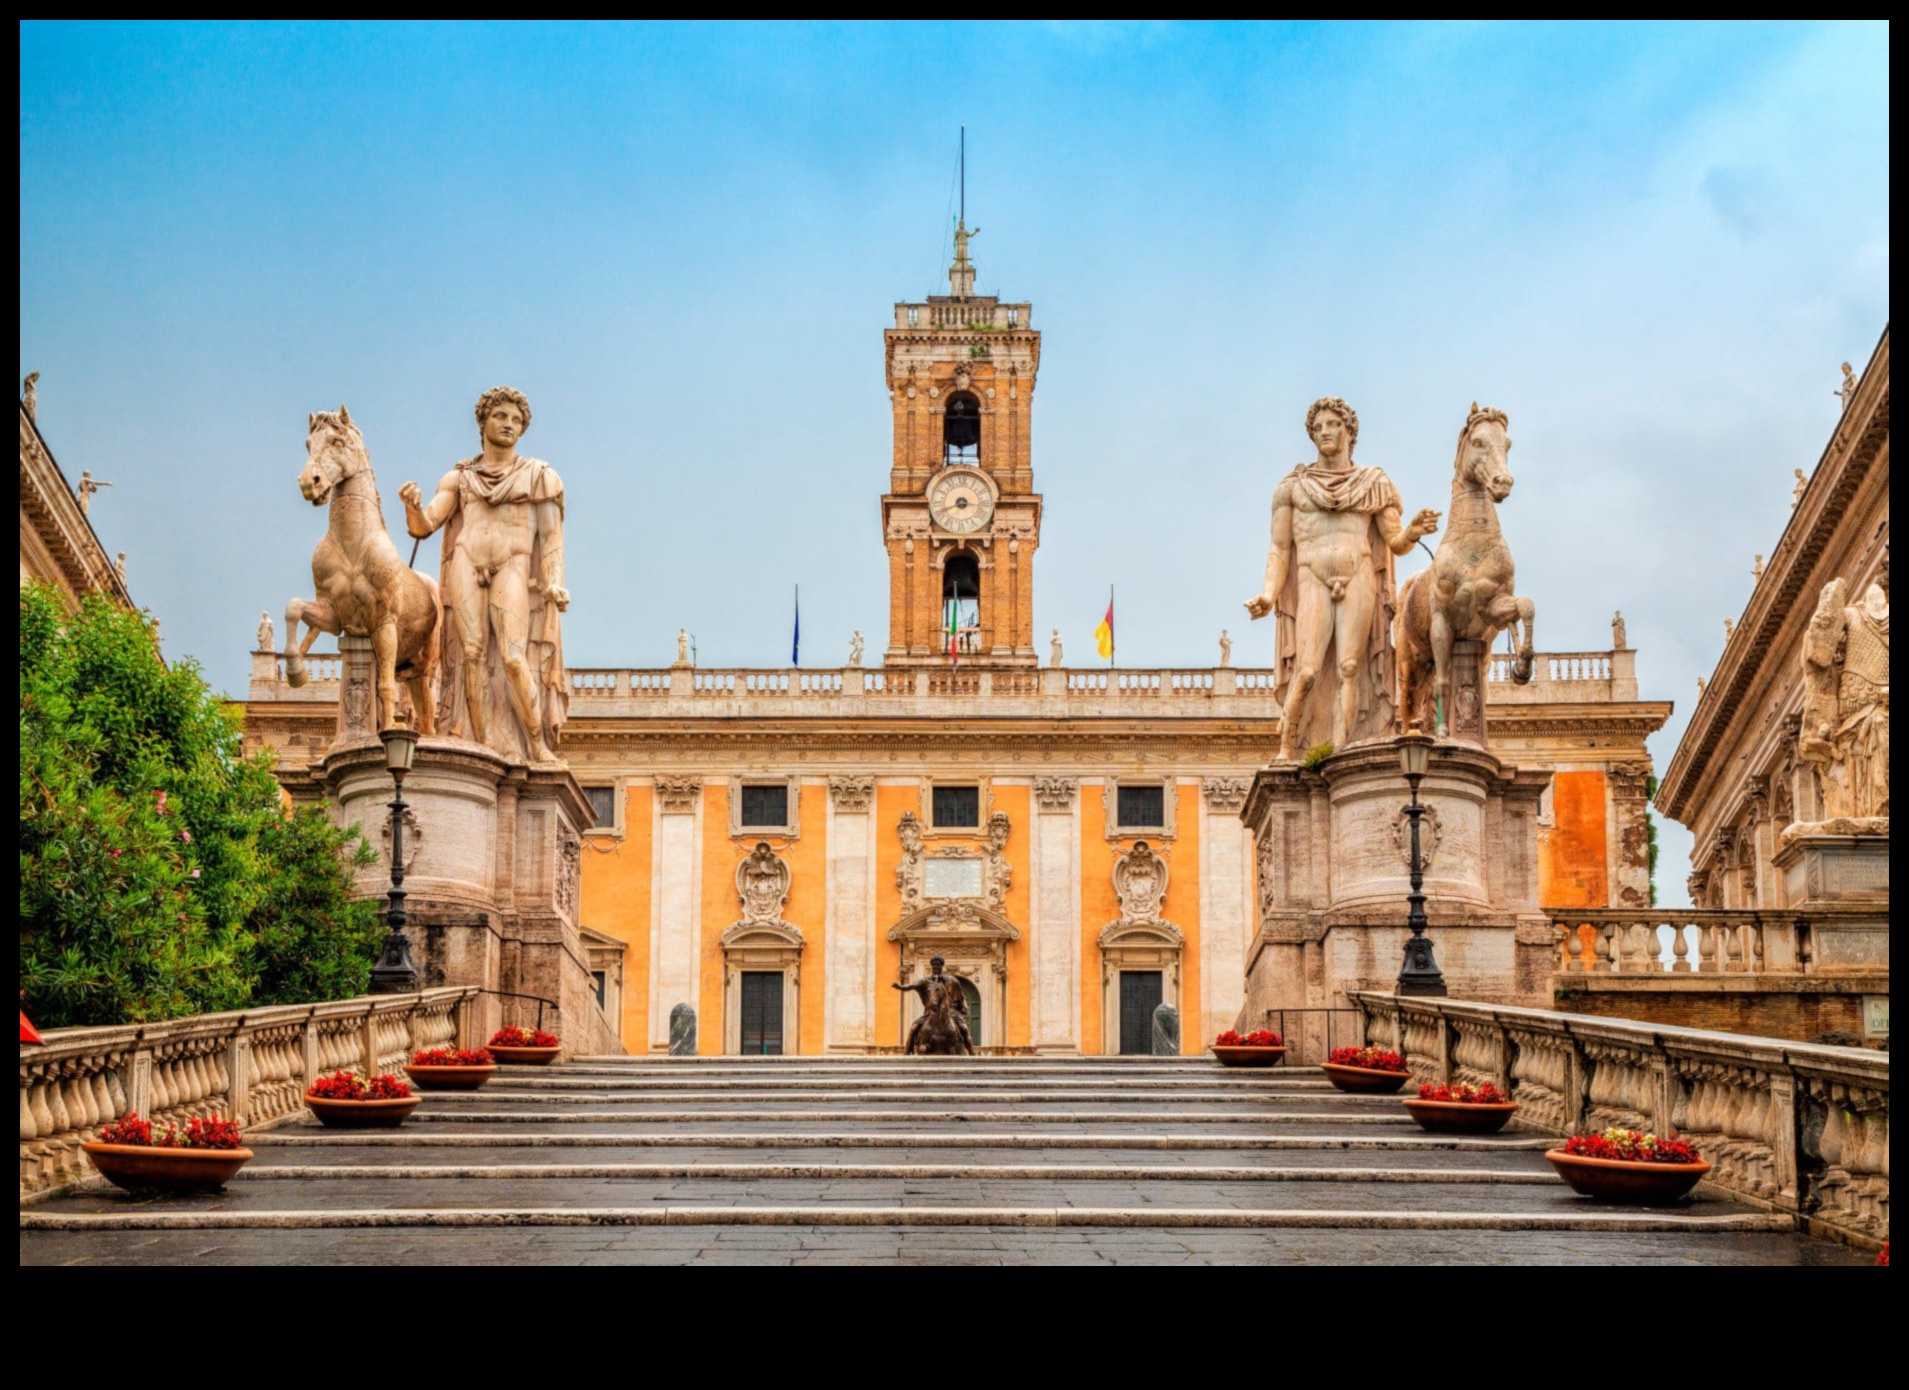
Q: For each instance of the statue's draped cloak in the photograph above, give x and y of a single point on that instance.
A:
(524, 480)
(1366, 491)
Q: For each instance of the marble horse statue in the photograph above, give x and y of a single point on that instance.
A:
(1467, 593)
(363, 585)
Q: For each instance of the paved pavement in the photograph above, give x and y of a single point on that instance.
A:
(886, 1161)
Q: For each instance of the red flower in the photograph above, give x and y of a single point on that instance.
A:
(1259, 1037)
(1632, 1146)
(1370, 1058)
(212, 1133)
(1882, 1256)
(454, 1057)
(514, 1036)
(345, 1085)
(131, 1130)
(1462, 1094)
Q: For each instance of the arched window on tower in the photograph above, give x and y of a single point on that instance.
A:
(960, 606)
(961, 429)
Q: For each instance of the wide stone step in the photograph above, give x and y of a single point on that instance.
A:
(870, 1119)
(493, 1095)
(1588, 1219)
(785, 1137)
(836, 1172)
(419, 1151)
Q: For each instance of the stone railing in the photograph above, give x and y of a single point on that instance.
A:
(1564, 678)
(252, 1067)
(1718, 942)
(1789, 1126)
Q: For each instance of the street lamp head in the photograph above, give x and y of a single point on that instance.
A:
(400, 747)
(1415, 755)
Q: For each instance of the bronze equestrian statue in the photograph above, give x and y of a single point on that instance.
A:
(942, 1029)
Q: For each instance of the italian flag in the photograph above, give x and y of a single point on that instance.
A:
(954, 631)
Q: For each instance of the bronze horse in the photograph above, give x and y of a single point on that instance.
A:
(942, 1029)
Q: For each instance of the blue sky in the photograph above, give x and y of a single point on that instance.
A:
(1651, 245)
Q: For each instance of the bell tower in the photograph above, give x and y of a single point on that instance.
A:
(961, 518)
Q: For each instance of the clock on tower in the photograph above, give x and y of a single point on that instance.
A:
(961, 517)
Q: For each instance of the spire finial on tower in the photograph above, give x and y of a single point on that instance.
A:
(961, 273)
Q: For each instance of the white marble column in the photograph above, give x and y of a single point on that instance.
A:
(1225, 892)
(675, 907)
(1054, 952)
(849, 977)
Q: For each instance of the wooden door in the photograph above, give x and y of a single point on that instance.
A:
(1139, 997)
(762, 1013)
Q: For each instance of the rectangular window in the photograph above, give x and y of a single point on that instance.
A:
(957, 808)
(1142, 807)
(765, 806)
(602, 805)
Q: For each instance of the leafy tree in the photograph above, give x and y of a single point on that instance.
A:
(159, 873)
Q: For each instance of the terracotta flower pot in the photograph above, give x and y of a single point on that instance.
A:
(450, 1078)
(147, 1168)
(1247, 1056)
(1458, 1117)
(362, 1114)
(523, 1056)
(1619, 1180)
(1364, 1080)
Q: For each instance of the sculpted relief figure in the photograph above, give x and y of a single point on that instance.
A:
(1329, 583)
(502, 579)
(1845, 726)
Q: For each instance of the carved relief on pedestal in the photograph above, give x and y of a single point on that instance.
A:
(413, 838)
(1055, 794)
(852, 792)
(356, 703)
(678, 794)
(1431, 830)
(569, 874)
(1225, 794)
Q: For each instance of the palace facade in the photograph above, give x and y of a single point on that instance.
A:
(777, 848)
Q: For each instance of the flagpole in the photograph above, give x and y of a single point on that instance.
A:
(1113, 631)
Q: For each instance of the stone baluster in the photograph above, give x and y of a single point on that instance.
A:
(1604, 949)
(1679, 949)
(1732, 948)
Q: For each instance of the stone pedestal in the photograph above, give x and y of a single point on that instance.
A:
(1820, 869)
(1333, 860)
(493, 864)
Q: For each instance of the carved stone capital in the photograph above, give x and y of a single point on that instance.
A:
(852, 792)
(1056, 794)
(678, 795)
(1225, 793)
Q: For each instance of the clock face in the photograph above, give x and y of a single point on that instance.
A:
(961, 500)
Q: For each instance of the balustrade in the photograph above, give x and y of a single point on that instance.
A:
(1794, 1127)
(252, 1067)
(1698, 941)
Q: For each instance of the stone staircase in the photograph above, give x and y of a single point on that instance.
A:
(882, 1160)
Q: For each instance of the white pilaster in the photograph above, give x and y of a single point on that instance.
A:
(1225, 853)
(1054, 953)
(675, 937)
(848, 1008)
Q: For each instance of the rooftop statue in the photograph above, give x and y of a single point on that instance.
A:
(1329, 583)
(502, 578)
(364, 588)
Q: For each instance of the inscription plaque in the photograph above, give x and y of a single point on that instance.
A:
(951, 878)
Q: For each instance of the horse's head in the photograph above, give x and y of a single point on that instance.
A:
(1482, 449)
(334, 451)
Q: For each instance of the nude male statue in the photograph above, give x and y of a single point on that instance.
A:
(1336, 528)
(502, 580)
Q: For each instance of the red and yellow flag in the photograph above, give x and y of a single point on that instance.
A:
(1104, 634)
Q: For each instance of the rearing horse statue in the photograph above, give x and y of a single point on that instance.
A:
(1467, 593)
(364, 588)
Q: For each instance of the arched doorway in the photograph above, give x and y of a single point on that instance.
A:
(973, 996)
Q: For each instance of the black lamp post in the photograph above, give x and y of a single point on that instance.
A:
(395, 973)
(1420, 973)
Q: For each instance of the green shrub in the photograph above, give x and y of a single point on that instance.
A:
(1317, 754)
(159, 873)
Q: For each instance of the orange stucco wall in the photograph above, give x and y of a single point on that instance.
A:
(1099, 905)
(890, 802)
(1018, 910)
(1183, 910)
(1573, 863)
(806, 909)
(615, 898)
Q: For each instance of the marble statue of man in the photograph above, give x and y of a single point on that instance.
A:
(264, 634)
(1226, 648)
(1330, 585)
(855, 648)
(503, 682)
(1845, 727)
(1054, 653)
